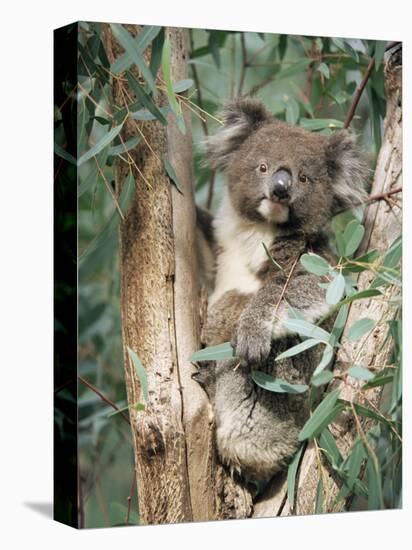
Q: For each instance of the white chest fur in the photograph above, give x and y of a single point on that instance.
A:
(242, 252)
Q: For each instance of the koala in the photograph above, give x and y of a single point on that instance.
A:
(284, 184)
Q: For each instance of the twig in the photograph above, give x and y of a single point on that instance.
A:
(244, 63)
(129, 498)
(373, 198)
(285, 286)
(361, 87)
(383, 196)
(103, 397)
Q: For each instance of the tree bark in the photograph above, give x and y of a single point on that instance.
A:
(172, 437)
(383, 225)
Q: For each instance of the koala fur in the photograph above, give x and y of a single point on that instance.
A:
(257, 430)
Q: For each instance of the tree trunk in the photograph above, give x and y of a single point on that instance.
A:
(160, 316)
(383, 225)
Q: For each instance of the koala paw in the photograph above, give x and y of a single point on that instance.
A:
(252, 343)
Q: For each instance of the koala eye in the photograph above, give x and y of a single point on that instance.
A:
(303, 178)
(263, 168)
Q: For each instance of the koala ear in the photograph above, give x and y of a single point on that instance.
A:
(241, 117)
(347, 169)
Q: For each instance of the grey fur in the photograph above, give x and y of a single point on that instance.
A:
(257, 430)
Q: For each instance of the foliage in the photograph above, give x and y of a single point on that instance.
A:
(303, 80)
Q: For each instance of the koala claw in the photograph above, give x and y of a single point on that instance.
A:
(252, 345)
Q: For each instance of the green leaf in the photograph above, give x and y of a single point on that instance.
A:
(361, 327)
(156, 52)
(292, 111)
(129, 44)
(360, 372)
(144, 114)
(145, 99)
(140, 371)
(166, 56)
(292, 471)
(109, 228)
(315, 264)
(369, 413)
(320, 123)
(136, 407)
(124, 147)
(322, 378)
(93, 175)
(339, 324)
(375, 497)
(319, 497)
(324, 69)
(353, 236)
(304, 328)
(328, 444)
(380, 379)
(306, 344)
(141, 42)
(213, 353)
(182, 85)
(324, 413)
(325, 360)
(335, 289)
(172, 174)
(64, 154)
(368, 293)
(101, 144)
(276, 385)
(353, 463)
(380, 46)
(340, 243)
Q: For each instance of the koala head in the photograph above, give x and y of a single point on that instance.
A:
(284, 174)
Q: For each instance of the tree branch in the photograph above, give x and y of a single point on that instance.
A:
(361, 87)
(103, 397)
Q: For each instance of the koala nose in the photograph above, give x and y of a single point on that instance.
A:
(281, 181)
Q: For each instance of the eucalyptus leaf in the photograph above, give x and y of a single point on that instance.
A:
(213, 353)
(292, 471)
(141, 42)
(64, 154)
(304, 328)
(306, 344)
(335, 289)
(172, 174)
(324, 413)
(140, 371)
(324, 69)
(360, 372)
(182, 85)
(353, 236)
(129, 44)
(315, 264)
(320, 123)
(324, 377)
(276, 385)
(328, 444)
(145, 99)
(360, 328)
(166, 57)
(124, 147)
(101, 144)
(326, 358)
